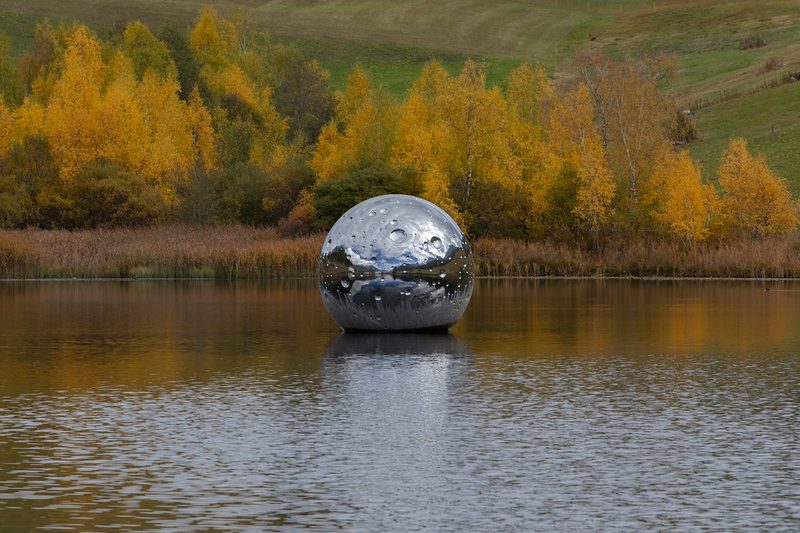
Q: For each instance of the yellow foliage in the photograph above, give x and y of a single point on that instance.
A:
(6, 127)
(596, 188)
(122, 134)
(365, 135)
(678, 199)
(576, 142)
(98, 110)
(74, 133)
(171, 154)
(29, 120)
(455, 130)
(331, 158)
(202, 130)
(529, 91)
(477, 120)
(415, 140)
(207, 41)
(357, 92)
(435, 189)
(632, 112)
(755, 200)
(268, 130)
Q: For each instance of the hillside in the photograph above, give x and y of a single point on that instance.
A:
(392, 40)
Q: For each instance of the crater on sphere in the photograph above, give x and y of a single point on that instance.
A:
(397, 235)
(412, 270)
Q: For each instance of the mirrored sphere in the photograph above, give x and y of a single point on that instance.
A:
(396, 262)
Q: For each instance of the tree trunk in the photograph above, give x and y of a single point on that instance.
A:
(468, 180)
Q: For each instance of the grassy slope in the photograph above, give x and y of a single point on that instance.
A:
(392, 40)
(753, 117)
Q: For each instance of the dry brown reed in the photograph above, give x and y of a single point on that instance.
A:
(157, 252)
(748, 258)
(239, 252)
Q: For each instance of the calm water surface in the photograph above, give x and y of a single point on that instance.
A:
(552, 405)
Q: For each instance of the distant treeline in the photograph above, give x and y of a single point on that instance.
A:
(217, 124)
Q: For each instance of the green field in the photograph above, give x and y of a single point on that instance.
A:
(767, 119)
(392, 41)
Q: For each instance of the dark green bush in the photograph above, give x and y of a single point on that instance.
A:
(284, 185)
(103, 195)
(334, 196)
(16, 207)
(240, 191)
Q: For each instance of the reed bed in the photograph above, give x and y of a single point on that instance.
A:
(222, 252)
(750, 258)
(239, 252)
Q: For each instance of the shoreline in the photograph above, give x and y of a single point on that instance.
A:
(477, 278)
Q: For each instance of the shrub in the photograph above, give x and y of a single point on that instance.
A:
(683, 129)
(16, 207)
(240, 191)
(103, 195)
(303, 95)
(334, 196)
(772, 63)
(752, 42)
(283, 188)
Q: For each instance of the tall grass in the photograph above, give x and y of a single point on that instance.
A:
(764, 258)
(238, 252)
(157, 252)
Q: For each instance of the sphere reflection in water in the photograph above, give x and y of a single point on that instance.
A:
(386, 345)
(396, 262)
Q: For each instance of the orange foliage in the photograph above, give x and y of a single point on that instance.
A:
(755, 200)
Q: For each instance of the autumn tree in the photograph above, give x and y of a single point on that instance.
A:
(578, 145)
(477, 116)
(755, 200)
(10, 83)
(41, 53)
(422, 144)
(679, 201)
(303, 95)
(73, 130)
(145, 51)
(529, 94)
(249, 127)
(530, 100)
(187, 67)
(634, 116)
(100, 109)
(209, 42)
(203, 134)
(453, 134)
(362, 133)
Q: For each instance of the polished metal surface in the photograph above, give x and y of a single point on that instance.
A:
(395, 262)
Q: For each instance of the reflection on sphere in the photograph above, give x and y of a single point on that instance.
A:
(396, 262)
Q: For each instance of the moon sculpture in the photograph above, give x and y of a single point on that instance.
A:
(396, 262)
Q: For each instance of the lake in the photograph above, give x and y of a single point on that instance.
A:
(553, 404)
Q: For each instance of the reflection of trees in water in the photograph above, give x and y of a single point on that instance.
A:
(80, 334)
(523, 317)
